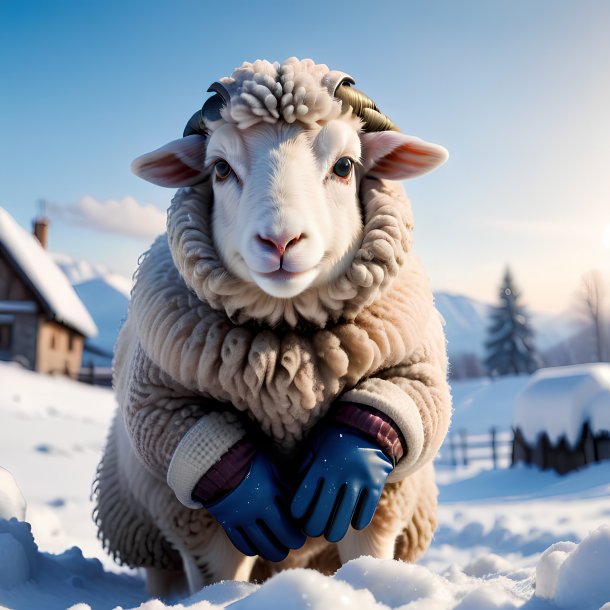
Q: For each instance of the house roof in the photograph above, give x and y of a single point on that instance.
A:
(46, 278)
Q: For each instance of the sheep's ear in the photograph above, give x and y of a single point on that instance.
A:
(179, 163)
(397, 156)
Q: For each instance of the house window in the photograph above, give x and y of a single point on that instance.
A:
(6, 336)
(52, 340)
(70, 341)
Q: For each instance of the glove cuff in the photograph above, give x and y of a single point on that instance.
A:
(374, 425)
(226, 474)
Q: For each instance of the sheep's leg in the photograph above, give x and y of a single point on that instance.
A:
(219, 560)
(166, 583)
(374, 541)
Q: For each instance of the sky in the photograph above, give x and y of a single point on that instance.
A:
(518, 91)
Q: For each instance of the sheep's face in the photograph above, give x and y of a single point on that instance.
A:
(286, 214)
(281, 238)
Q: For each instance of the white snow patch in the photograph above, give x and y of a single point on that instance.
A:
(51, 283)
(395, 584)
(79, 271)
(547, 569)
(12, 502)
(583, 582)
(488, 565)
(575, 577)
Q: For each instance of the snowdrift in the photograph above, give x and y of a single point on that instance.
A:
(570, 576)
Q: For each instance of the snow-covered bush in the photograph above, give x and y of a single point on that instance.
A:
(562, 417)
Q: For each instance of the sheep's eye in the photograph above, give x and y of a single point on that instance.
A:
(222, 169)
(343, 167)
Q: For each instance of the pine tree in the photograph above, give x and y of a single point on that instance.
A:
(510, 348)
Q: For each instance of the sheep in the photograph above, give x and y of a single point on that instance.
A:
(283, 316)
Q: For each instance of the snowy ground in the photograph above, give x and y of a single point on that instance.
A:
(511, 538)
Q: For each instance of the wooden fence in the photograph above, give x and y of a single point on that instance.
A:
(462, 449)
(96, 375)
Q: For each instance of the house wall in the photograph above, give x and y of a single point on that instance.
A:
(60, 350)
(15, 297)
(11, 286)
(23, 347)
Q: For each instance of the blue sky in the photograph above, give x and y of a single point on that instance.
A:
(518, 91)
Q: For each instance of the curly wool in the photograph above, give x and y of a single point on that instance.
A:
(179, 347)
(284, 379)
(386, 241)
(268, 92)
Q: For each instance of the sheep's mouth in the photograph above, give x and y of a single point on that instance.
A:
(282, 275)
(284, 284)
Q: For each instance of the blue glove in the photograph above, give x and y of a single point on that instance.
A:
(345, 475)
(255, 514)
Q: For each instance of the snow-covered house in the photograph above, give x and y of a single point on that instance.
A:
(561, 418)
(43, 323)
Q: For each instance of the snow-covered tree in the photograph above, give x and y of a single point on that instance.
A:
(510, 347)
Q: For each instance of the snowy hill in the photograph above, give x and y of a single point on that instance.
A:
(467, 321)
(106, 296)
(107, 303)
(510, 538)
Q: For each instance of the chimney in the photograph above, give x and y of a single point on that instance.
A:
(41, 225)
(41, 230)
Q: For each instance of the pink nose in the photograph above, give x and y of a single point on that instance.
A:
(280, 243)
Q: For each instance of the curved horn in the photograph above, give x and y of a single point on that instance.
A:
(210, 110)
(331, 80)
(364, 107)
(221, 90)
(195, 125)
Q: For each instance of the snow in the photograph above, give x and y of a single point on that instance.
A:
(106, 296)
(576, 575)
(80, 271)
(108, 306)
(51, 284)
(481, 404)
(12, 502)
(560, 400)
(511, 538)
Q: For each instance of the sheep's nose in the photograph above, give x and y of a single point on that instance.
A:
(280, 243)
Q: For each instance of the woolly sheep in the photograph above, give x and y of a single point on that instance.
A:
(284, 291)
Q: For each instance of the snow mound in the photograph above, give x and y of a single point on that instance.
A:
(394, 583)
(31, 579)
(12, 502)
(488, 565)
(575, 577)
(560, 400)
(569, 576)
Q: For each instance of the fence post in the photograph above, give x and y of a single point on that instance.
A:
(452, 449)
(464, 443)
(494, 456)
